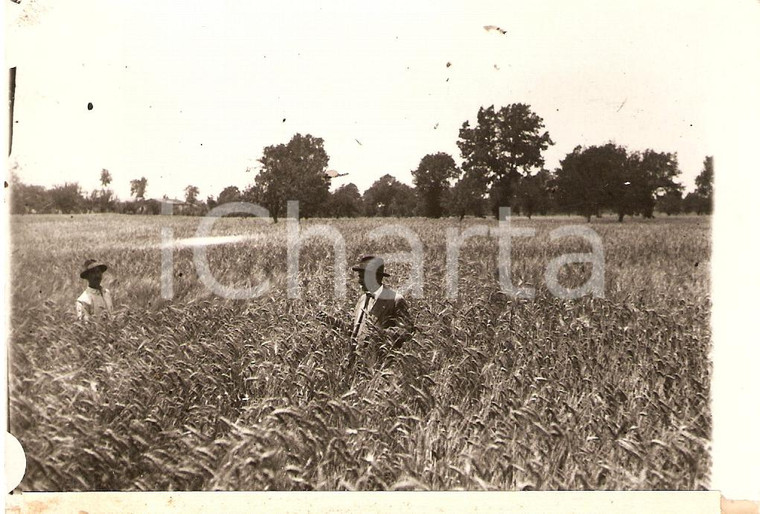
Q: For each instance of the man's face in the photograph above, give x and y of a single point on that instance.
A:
(94, 277)
(368, 279)
(360, 275)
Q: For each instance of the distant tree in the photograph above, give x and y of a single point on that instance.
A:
(377, 198)
(694, 202)
(229, 194)
(704, 189)
(704, 206)
(293, 171)
(249, 194)
(503, 146)
(137, 188)
(704, 180)
(468, 196)
(191, 194)
(431, 178)
(404, 202)
(128, 207)
(650, 174)
(67, 198)
(670, 203)
(690, 203)
(389, 197)
(105, 177)
(211, 202)
(608, 177)
(102, 200)
(346, 201)
(591, 179)
(532, 194)
(28, 199)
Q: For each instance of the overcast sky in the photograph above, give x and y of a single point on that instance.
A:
(191, 92)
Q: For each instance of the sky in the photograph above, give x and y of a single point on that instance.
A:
(191, 92)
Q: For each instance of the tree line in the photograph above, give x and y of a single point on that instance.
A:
(70, 198)
(502, 165)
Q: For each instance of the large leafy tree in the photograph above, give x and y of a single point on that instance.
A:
(590, 179)
(431, 178)
(502, 146)
(608, 177)
(652, 174)
(293, 171)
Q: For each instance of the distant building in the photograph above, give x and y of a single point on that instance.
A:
(177, 206)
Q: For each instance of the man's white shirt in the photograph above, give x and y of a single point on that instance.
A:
(93, 302)
(358, 311)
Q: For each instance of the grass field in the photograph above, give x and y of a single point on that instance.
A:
(199, 392)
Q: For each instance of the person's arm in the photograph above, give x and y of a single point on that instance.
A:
(402, 328)
(83, 313)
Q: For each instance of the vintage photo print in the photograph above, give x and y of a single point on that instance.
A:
(412, 246)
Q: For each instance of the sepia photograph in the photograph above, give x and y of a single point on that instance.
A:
(409, 246)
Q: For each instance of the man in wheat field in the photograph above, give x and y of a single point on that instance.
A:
(95, 301)
(381, 316)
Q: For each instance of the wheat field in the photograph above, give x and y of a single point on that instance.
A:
(203, 393)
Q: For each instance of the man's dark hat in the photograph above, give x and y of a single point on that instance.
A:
(91, 264)
(371, 262)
